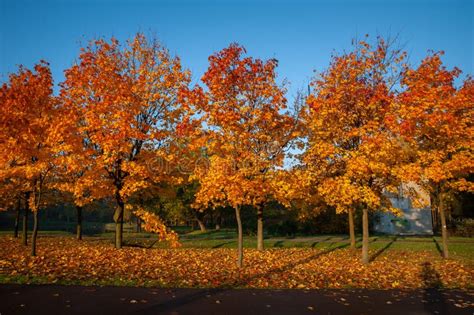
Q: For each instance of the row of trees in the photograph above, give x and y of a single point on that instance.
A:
(127, 125)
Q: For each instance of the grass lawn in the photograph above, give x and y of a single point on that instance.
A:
(459, 247)
(208, 260)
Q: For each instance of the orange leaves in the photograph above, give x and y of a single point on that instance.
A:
(26, 114)
(247, 129)
(28, 139)
(152, 223)
(351, 152)
(95, 262)
(124, 98)
(442, 113)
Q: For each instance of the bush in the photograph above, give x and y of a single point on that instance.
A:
(464, 227)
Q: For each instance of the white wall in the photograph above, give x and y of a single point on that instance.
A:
(414, 221)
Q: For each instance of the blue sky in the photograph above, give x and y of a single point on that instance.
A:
(300, 34)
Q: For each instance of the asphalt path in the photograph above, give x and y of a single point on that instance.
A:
(55, 300)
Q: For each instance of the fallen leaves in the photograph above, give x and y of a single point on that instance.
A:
(97, 262)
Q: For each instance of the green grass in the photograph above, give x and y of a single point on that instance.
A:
(459, 247)
(119, 282)
(41, 233)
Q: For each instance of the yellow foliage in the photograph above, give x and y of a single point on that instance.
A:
(152, 223)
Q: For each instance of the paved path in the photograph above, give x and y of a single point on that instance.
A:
(53, 299)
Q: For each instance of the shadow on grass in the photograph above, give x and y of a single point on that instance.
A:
(433, 299)
(320, 241)
(359, 240)
(245, 280)
(210, 235)
(189, 298)
(278, 244)
(380, 251)
(440, 251)
(139, 245)
(222, 244)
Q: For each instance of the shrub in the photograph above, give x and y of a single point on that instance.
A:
(464, 227)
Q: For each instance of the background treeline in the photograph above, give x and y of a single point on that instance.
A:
(280, 221)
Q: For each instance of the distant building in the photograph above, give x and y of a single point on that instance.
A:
(413, 221)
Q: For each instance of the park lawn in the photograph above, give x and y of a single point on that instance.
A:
(461, 248)
(48, 233)
(328, 264)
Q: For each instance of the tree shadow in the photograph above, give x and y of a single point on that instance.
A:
(194, 296)
(383, 249)
(182, 300)
(278, 244)
(440, 251)
(359, 240)
(320, 241)
(139, 245)
(222, 244)
(433, 299)
(245, 280)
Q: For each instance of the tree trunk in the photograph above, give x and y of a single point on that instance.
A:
(351, 228)
(139, 221)
(25, 220)
(139, 226)
(202, 227)
(35, 233)
(79, 223)
(240, 240)
(444, 230)
(434, 213)
(365, 236)
(434, 219)
(218, 220)
(260, 228)
(17, 218)
(119, 222)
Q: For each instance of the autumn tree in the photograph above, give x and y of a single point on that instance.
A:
(351, 152)
(126, 100)
(29, 138)
(434, 116)
(76, 175)
(78, 182)
(247, 129)
(12, 198)
(11, 187)
(182, 202)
